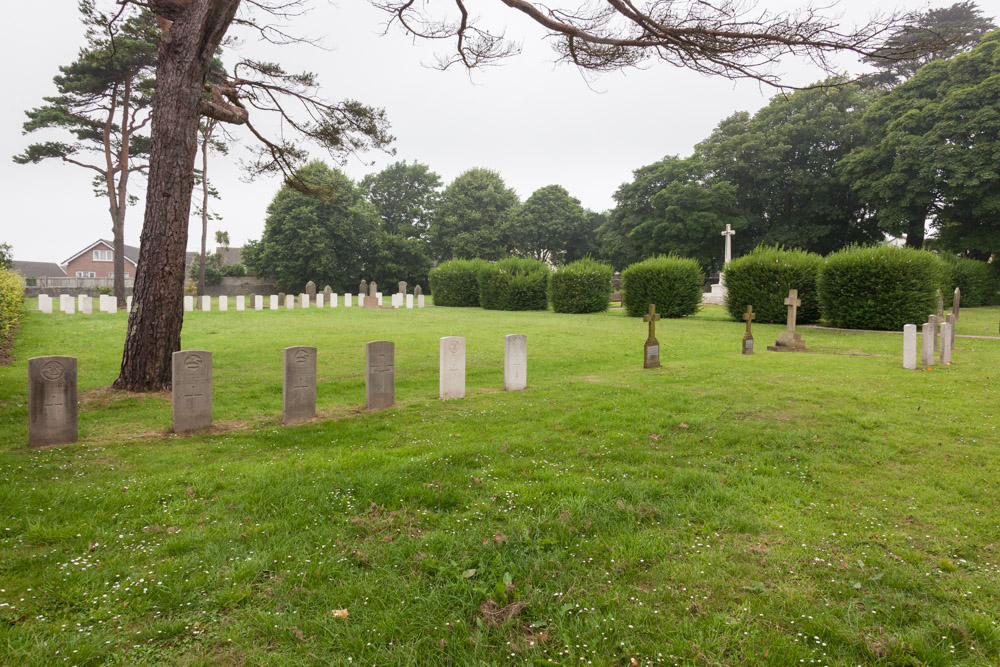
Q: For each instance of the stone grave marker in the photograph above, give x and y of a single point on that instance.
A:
(223, 303)
(86, 304)
(910, 346)
(949, 319)
(298, 393)
(64, 300)
(945, 345)
(258, 302)
(52, 407)
(191, 390)
(956, 301)
(112, 305)
(70, 307)
(304, 300)
(935, 323)
(651, 348)
(128, 304)
(371, 300)
(451, 377)
(348, 298)
(272, 302)
(206, 304)
(363, 288)
(515, 362)
(328, 292)
(417, 291)
(188, 303)
(409, 301)
(749, 316)
(380, 374)
(333, 300)
(927, 340)
(402, 287)
(241, 303)
(45, 303)
(311, 288)
(289, 302)
(420, 301)
(790, 340)
(378, 298)
(940, 305)
(320, 300)
(102, 302)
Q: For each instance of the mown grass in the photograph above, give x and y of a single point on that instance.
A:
(774, 509)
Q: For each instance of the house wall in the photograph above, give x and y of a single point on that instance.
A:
(85, 262)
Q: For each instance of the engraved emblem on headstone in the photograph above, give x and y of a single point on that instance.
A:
(52, 370)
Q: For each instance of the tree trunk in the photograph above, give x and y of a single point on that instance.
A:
(915, 233)
(154, 326)
(118, 240)
(204, 209)
(118, 217)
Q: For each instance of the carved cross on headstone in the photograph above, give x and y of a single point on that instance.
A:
(651, 318)
(651, 349)
(749, 316)
(729, 233)
(793, 304)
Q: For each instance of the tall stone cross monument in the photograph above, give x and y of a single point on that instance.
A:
(729, 233)
(651, 350)
(718, 294)
(789, 340)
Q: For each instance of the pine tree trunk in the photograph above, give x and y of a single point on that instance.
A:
(154, 326)
(118, 241)
(204, 211)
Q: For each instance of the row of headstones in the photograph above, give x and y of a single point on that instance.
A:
(321, 300)
(84, 303)
(52, 405)
(929, 332)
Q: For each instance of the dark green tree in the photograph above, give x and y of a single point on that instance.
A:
(399, 258)
(583, 241)
(103, 102)
(473, 210)
(545, 224)
(406, 197)
(329, 240)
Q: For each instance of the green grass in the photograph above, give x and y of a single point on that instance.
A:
(721, 510)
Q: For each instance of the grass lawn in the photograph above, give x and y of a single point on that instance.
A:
(828, 508)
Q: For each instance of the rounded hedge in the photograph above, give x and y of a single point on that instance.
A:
(11, 304)
(762, 279)
(880, 287)
(673, 284)
(514, 283)
(456, 282)
(583, 286)
(977, 280)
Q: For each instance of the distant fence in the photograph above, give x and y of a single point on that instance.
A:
(70, 283)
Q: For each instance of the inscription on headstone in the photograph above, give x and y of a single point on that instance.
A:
(451, 382)
(52, 409)
(380, 374)
(298, 394)
(515, 362)
(191, 390)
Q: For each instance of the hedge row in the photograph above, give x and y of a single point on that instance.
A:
(977, 280)
(583, 286)
(456, 283)
(11, 304)
(763, 278)
(672, 284)
(514, 283)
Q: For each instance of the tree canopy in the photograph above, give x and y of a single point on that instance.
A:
(406, 197)
(545, 224)
(473, 210)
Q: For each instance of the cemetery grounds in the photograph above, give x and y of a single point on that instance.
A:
(779, 508)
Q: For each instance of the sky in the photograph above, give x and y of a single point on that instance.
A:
(534, 121)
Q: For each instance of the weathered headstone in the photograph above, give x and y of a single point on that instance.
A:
(418, 291)
(272, 302)
(52, 408)
(371, 299)
(281, 298)
(188, 303)
(223, 303)
(45, 303)
(320, 300)
(790, 340)
(402, 287)
(289, 302)
(651, 348)
(927, 344)
(748, 335)
(311, 288)
(363, 288)
(956, 301)
(420, 301)
(64, 301)
(206, 304)
(945, 345)
(409, 301)
(85, 304)
(949, 319)
(241, 303)
(258, 302)
(451, 377)
(935, 323)
(940, 305)
(910, 346)
(191, 390)
(380, 374)
(515, 362)
(298, 394)
(328, 292)
(304, 300)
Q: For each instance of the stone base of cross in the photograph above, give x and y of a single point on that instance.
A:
(790, 340)
(651, 349)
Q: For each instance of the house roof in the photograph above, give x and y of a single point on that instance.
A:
(39, 269)
(131, 252)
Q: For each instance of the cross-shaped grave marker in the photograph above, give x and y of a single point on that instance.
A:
(749, 316)
(651, 349)
(789, 340)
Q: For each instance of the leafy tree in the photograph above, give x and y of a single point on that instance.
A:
(472, 213)
(406, 197)
(329, 240)
(103, 101)
(6, 256)
(207, 270)
(545, 224)
(399, 258)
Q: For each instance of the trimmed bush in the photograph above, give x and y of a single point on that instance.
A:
(11, 304)
(515, 283)
(977, 280)
(672, 283)
(880, 287)
(456, 283)
(583, 286)
(762, 279)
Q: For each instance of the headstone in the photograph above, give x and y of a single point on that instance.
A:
(128, 304)
(304, 300)
(409, 301)
(956, 301)
(380, 374)
(223, 303)
(940, 305)
(281, 298)
(64, 299)
(86, 306)
(451, 382)
(328, 292)
(348, 298)
(910, 346)
(311, 288)
(102, 302)
(191, 391)
(402, 287)
(289, 302)
(616, 281)
(417, 291)
(420, 301)
(320, 300)
(395, 300)
(206, 304)
(378, 298)
(729, 233)
(371, 299)
(272, 302)
(949, 319)
(790, 340)
(651, 348)
(52, 407)
(333, 300)
(748, 335)
(298, 394)
(45, 303)
(258, 302)
(70, 307)
(945, 345)
(363, 287)
(188, 303)
(241, 303)
(112, 307)
(935, 323)
(515, 362)
(927, 347)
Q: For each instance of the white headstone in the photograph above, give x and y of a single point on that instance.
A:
(206, 304)
(128, 304)
(112, 306)
(188, 303)
(333, 300)
(515, 362)
(946, 343)
(378, 295)
(304, 300)
(451, 382)
(910, 346)
(289, 302)
(70, 306)
(64, 301)
(85, 304)
(409, 301)
(319, 300)
(102, 303)
(347, 301)
(258, 302)
(420, 301)
(45, 303)
(241, 302)
(272, 302)
(223, 303)
(927, 339)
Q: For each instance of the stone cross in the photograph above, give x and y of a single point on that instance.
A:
(749, 316)
(451, 378)
(729, 233)
(515, 362)
(298, 392)
(793, 302)
(380, 374)
(789, 340)
(52, 408)
(651, 348)
(191, 390)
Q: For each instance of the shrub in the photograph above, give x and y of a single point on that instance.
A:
(977, 280)
(456, 283)
(762, 279)
(880, 287)
(11, 304)
(673, 284)
(581, 287)
(515, 283)
(236, 270)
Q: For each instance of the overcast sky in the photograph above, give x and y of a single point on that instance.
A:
(533, 121)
